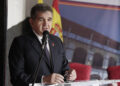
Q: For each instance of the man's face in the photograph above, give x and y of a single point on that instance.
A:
(42, 22)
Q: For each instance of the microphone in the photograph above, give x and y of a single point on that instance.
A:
(45, 38)
(44, 41)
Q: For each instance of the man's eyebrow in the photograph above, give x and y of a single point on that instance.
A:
(40, 17)
(50, 17)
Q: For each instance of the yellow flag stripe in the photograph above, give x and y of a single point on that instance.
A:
(56, 18)
(40, 1)
(57, 23)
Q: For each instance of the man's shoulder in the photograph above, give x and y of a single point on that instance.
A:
(53, 37)
(21, 37)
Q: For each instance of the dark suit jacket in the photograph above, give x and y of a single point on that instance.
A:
(24, 56)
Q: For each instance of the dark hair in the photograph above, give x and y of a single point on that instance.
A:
(40, 8)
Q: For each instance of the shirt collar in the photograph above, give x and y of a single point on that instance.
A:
(38, 36)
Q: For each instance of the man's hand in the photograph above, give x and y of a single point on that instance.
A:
(71, 75)
(53, 79)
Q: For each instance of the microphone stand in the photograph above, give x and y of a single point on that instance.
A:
(37, 68)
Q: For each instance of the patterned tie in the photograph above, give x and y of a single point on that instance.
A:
(48, 57)
(47, 52)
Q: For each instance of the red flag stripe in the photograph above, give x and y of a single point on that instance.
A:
(55, 5)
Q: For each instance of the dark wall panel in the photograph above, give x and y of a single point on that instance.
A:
(3, 26)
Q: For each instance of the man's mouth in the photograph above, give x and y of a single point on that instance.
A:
(45, 29)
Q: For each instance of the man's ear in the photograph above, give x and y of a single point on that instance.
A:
(31, 21)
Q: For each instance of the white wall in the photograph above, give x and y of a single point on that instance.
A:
(16, 12)
(19, 9)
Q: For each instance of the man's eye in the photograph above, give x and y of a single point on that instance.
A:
(50, 19)
(40, 19)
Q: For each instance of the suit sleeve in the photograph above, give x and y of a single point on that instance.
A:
(16, 64)
(65, 66)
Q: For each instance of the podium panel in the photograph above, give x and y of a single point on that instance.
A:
(84, 83)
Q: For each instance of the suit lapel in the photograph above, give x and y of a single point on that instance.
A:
(53, 53)
(37, 47)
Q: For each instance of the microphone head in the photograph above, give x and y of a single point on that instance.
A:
(45, 36)
(45, 33)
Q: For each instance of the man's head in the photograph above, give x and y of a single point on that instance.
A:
(41, 18)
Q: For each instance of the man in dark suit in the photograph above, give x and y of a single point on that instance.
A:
(26, 50)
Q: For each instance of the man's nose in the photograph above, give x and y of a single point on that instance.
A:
(45, 23)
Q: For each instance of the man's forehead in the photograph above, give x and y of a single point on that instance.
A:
(43, 12)
(40, 17)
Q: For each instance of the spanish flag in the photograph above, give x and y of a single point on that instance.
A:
(40, 1)
(56, 25)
